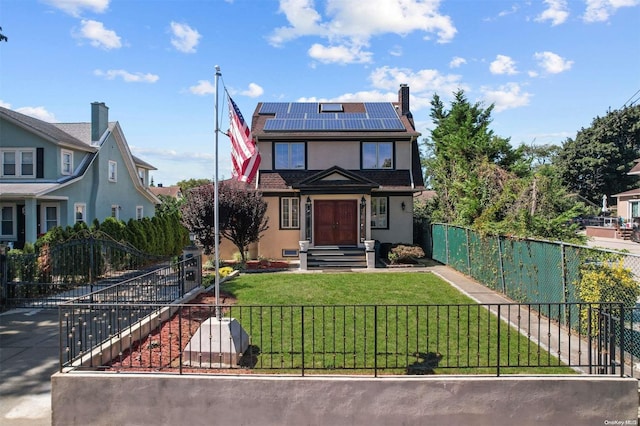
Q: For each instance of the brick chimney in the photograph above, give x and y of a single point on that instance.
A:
(403, 99)
(99, 120)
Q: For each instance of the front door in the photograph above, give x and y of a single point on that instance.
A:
(336, 222)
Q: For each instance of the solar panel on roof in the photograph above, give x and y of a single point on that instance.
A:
(353, 124)
(274, 108)
(392, 124)
(321, 115)
(315, 124)
(351, 115)
(373, 124)
(298, 107)
(294, 124)
(274, 124)
(381, 110)
(334, 124)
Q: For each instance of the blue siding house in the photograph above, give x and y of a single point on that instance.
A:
(58, 174)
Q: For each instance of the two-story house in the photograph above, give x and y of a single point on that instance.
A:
(336, 173)
(58, 174)
(628, 202)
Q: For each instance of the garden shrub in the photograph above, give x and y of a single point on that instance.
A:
(402, 253)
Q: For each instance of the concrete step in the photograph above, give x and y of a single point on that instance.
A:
(336, 257)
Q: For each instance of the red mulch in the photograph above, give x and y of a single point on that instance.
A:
(160, 351)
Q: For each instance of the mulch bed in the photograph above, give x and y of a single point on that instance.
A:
(160, 351)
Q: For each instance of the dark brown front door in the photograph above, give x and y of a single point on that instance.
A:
(336, 222)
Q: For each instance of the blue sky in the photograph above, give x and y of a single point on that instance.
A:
(549, 66)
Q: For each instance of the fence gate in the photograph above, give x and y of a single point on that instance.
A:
(56, 273)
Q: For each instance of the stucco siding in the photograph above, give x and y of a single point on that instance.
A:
(328, 154)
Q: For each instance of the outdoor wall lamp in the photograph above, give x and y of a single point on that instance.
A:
(403, 206)
(363, 202)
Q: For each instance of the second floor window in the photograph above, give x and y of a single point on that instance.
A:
(66, 162)
(377, 155)
(113, 171)
(18, 163)
(289, 213)
(115, 211)
(139, 212)
(289, 155)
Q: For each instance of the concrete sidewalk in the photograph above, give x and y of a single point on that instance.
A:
(29, 355)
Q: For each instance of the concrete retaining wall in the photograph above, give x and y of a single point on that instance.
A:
(161, 399)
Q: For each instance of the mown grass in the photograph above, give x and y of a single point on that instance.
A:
(410, 322)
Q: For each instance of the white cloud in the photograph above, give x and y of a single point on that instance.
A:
(38, 112)
(98, 35)
(503, 65)
(552, 63)
(352, 23)
(457, 61)
(601, 10)
(185, 39)
(396, 50)
(506, 97)
(76, 7)
(127, 77)
(253, 91)
(557, 12)
(339, 54)
(204, 87)
(5, 104)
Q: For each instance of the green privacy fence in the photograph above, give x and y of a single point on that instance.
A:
(534, 271)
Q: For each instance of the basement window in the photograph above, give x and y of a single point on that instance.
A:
(289, 253)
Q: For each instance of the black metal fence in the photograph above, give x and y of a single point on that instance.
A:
(363, 339)
(60, 272)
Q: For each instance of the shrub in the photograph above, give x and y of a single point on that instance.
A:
(405, 253)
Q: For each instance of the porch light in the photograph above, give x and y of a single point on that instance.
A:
(363, 202)
(403, 206)
(308, 204)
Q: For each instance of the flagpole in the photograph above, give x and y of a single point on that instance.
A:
(216, 205)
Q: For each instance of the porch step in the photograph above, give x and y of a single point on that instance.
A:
(625, 233)
(336, 257)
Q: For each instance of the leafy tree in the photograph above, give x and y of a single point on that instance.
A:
(467, 159)
(241, 214)
(168, 205)
(186, 185)
(597, 161)
(2, 36)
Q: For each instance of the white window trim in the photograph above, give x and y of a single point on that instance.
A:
(139, 212)
(43, 215)
(18, 159)
(62, 162)
(113, 177)
(14, 220)
(83, 207)
(141, 176)
(291, 213)
(115, 211)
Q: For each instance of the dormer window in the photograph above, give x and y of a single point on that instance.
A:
(66, 162)
(113, 171)
(331, 108)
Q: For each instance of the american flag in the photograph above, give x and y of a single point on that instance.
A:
(244, 152)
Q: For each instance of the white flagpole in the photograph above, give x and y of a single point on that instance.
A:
(216, 214)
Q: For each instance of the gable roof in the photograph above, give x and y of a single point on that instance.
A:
(49, 131)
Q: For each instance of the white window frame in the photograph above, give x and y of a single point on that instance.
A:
(379, 218)
(139, 212)
(141, 176)
(44, 218)
(66, 167)
(115, 211)
(378, 165)
(80, 208)
(113, 171)
(290, 213)
(289, 165)
(633, 203)
(18, 162)
(14, 221)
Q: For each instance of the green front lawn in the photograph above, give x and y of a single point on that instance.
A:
(404, 322)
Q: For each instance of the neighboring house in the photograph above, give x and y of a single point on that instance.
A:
(167, 191)
(62, 173)
(336, 173)
(629, 201)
